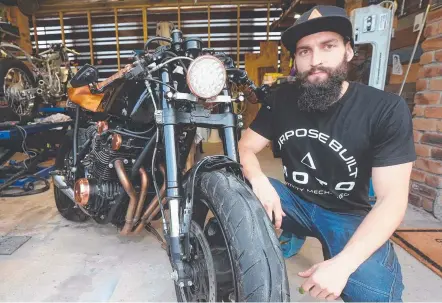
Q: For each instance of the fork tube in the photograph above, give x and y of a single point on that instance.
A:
(230, 137)
(172, 180)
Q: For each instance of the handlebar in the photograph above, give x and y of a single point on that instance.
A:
(71, 51)
(252, 93)
(53, 49)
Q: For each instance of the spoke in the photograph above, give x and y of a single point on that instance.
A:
(16, 81)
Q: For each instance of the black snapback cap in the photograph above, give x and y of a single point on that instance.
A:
(321, 18)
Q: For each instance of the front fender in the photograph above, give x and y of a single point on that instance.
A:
(207, 164)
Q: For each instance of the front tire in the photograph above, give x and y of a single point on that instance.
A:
(67, 208)
(259, 271)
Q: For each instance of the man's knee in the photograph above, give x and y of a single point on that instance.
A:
(379, 279)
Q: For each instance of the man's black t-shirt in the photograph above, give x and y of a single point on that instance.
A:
(328, 156)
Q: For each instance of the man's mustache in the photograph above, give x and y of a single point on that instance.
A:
(319, 69)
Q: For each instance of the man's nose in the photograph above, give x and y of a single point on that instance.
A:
(316, 59)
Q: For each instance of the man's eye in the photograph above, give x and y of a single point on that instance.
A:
(303, 52)
(329, 46)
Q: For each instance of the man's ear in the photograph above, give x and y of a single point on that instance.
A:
(349, 51)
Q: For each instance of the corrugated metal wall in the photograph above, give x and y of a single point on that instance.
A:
(193, 22)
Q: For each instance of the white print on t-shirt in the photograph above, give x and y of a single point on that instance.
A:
(307, 160)
(316, 191)
(301, 178)
(334, 145)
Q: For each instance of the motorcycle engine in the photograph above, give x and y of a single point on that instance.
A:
(103, 185)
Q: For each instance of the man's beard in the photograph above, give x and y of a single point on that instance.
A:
(321, 95)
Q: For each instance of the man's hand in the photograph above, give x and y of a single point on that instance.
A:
(269, 198)
(327, 279)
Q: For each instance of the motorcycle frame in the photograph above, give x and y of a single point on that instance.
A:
(35, 70)
(167, 119)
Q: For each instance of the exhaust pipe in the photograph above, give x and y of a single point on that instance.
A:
(59, 182)
(153, 208)
(143, 193)
(69, 192)
(127, 185)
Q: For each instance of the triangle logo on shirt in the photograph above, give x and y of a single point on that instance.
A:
(308, 161)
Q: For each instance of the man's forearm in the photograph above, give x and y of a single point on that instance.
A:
(374, 231)
(250, 163)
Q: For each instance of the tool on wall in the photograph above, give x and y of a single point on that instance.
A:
(374, 25)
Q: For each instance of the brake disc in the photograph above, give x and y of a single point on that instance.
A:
(203, 288)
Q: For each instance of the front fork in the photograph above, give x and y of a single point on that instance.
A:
(172, 188)
(179, 225)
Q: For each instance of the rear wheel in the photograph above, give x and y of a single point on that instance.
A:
(16, 95)
(246, 254)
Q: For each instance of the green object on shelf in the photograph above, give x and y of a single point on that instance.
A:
(301, 290)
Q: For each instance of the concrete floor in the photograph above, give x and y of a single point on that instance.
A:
(64, 261)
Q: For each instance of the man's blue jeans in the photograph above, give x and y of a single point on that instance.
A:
(378, 279)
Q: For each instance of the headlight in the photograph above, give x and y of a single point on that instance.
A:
(206, 77)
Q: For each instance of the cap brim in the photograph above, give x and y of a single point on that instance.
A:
(336, 24)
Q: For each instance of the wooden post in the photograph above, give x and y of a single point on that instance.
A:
(145, 32)
(16, 18)
(117, 38)
(208, 27)
(91, 45)
(34, 25)
(179, 15)
(60, 14)
(238, 22)
(268, 20)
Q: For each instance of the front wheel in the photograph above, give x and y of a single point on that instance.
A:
(246, 253)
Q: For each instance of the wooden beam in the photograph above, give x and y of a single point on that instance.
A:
(268, 21)
(117, 38)
(284, 16)
(145, 28)
(91, 44)
(60, 15)
(34, 25)
(208, 26)
(238, 34)
(17, 18)
(404, 38)
(255, 66)
(179, 15)
(412, 74)
(82, 6)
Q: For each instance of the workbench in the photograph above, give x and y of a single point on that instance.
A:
(43, 137)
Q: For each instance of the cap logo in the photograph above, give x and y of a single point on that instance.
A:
(314, 14)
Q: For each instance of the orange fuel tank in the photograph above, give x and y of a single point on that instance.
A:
(83, 97)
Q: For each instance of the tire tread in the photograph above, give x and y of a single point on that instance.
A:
(250, 235)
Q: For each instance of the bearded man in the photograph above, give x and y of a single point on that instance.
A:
(333, 136)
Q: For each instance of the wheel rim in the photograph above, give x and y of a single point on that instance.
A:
(201, 268)
(232, 296)
(15, 81)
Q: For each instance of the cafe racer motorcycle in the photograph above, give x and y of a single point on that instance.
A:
(129, 169)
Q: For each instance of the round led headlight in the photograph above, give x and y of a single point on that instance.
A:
(206, 77)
